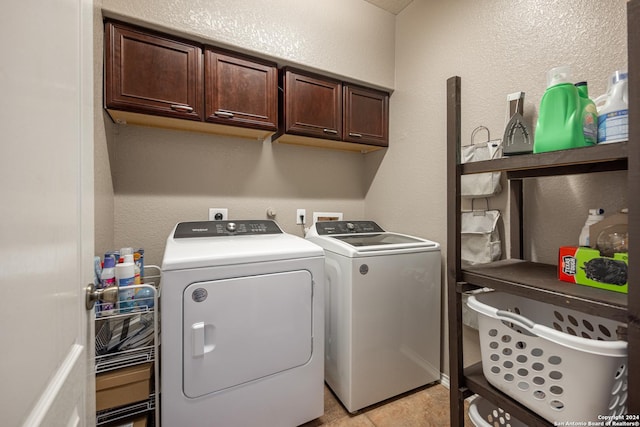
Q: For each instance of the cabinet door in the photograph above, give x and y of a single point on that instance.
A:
(240, 91)
(149, 73)
(313, 106)
(366, 116)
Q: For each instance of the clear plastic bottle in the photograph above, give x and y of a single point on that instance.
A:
(126, 251)
(613, 239)
(136, 272)
(137, 260)
(138, 257)
(595, 215)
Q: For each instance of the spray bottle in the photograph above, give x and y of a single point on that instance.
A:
(595, 215)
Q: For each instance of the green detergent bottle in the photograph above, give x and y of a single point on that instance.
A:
(559, 124)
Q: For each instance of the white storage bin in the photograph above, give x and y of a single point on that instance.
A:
(560, 363)
(483, 413)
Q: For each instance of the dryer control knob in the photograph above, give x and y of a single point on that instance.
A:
(350, 226)
(231, 227)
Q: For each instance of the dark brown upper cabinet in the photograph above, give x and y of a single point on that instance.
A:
(153, 79)
(320, 111)
(365, 116)
(240, 91)
(312, 105)
(151, 73)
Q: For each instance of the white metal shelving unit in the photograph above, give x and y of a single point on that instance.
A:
(115, 351)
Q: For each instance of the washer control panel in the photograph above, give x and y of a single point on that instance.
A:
(185, 230)
(347, 227)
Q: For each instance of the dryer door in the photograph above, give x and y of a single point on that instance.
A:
(243, 329)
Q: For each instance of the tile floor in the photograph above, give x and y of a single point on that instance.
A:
(424, 407)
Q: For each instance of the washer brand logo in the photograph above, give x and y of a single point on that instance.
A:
(199, 295)
(569, 265)
(364, 269)
(197, 230)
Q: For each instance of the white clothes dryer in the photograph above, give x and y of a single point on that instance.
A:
(382, 311)
(242, 312)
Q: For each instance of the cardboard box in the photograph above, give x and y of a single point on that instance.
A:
(133, 422)
(123, 386)
(585, 266)
(140, 422)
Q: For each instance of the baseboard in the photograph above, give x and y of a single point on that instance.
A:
(444, 380)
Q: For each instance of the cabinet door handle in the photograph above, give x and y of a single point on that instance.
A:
(181, 108)
(355, 135)
(224, 114)
(331, 131)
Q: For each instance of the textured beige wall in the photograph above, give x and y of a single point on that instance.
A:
(353, 38)
(104, 209)
(497, 47)
(162, 177)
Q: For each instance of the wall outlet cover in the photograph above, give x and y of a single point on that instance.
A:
(301, 216)
(218, 214)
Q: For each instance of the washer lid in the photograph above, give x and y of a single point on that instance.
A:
(212, 244)
(365, 238)
(378, 239)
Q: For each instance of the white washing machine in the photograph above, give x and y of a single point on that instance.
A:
(382, 311)
(242, 326)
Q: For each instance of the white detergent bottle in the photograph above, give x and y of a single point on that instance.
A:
(125, 276)
(613, 110)
(595, 215)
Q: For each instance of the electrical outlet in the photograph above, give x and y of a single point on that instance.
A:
(301, 216)
(218, 214)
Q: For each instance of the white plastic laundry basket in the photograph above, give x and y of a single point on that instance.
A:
(560, 363)
(483, 413)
